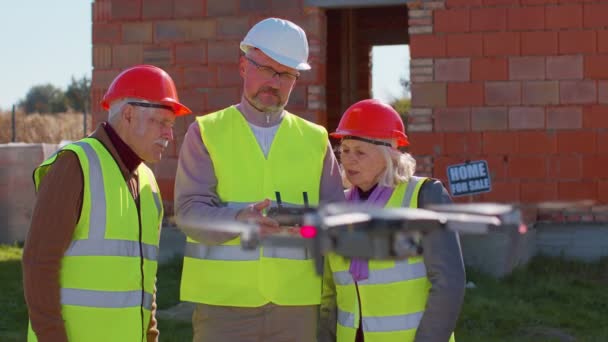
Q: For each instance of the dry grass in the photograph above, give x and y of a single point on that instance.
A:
(43, 128)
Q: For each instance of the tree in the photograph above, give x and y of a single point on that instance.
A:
(402, 105)
(78, 94)
(44, 99)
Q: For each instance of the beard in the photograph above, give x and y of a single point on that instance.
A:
(267, 106)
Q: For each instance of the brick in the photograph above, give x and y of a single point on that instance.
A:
(222, 97)
(464, 45)
(539, 43)
(602, 192)
(602, 92)
(595, 67)
(297, 99)
(126, 55)
(564, 16)
(452, 119)
(565, 67)
(102, 11)
(285, 4)
(427, 45)
(501, 44)
(195, 100)
(200, 77)
(177, 74)
(463, 3)
(595, 116)
(223, 52)
(188, 8)
(465, 94)
(165, 169)
(232, 27)
(101, 79)
(527, 167)
(503, 93)
(102, 56)
(526, 18)
(429, 94)
(106, 33)
(573, 42)
(488, 118)
(594, 15)
(426, 143)
(222, 8)
(526, 68)
(577, 190)
(489, 19)
(157, 9)
(203, 29)
(602, 142)
(534, 192)
(497, 166)
(171, 31)
(526, 117)
(564, 117)
(190, 54)
(499, 142)
(536, 142)
(125, 10)
(576, 141)
(540, 92)
(451, 20)
(440, 165)
(462, 143)
(565, 167)
(594, 167)
(253, 5)
(577, 92)
(157, 56)
(602, 42)
(503, 192)
(489, 68)
(137, 32)
(166, 187)
(453, 69)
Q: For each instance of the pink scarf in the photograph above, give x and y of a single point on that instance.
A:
(359, 268)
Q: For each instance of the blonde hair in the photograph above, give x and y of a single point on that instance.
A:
(400, 166)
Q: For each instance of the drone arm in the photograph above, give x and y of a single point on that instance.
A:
(445, 270)
(328, 313)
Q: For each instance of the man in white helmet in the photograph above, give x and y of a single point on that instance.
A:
(231, 165)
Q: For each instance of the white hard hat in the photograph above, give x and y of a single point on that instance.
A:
(281, 40)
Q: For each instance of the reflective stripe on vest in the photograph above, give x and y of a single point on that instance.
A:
(381, 324)
(237, 253)
(402, 271)
(106, 299)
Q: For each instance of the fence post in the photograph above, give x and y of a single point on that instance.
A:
(14, 136)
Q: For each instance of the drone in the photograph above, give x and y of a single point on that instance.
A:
(356, 230)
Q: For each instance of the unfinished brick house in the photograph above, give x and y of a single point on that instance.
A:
(522, 84)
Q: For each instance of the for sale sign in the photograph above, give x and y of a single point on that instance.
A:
(469, 178)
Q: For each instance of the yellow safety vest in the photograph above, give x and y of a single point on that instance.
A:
(393, 298)
(108, 272)
(226, 274)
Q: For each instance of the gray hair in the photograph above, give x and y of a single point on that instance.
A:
(117, 107)
(400, 166)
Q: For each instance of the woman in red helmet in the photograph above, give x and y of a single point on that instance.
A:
(415, 299)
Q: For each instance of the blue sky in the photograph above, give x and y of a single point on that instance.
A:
(50, 41)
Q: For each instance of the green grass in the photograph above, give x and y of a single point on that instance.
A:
(547, 298)
(550, 294)
(13, 321)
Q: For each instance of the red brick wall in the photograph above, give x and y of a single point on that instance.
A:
(520, 83)
(197, 43)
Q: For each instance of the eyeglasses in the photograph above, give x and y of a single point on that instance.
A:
(150, 105)
(269, 72)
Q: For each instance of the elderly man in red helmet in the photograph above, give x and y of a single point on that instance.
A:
(416, 299)
(231, 164)
(90, 258)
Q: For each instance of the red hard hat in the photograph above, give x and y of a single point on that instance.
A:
(374, 119)
(145, 82)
